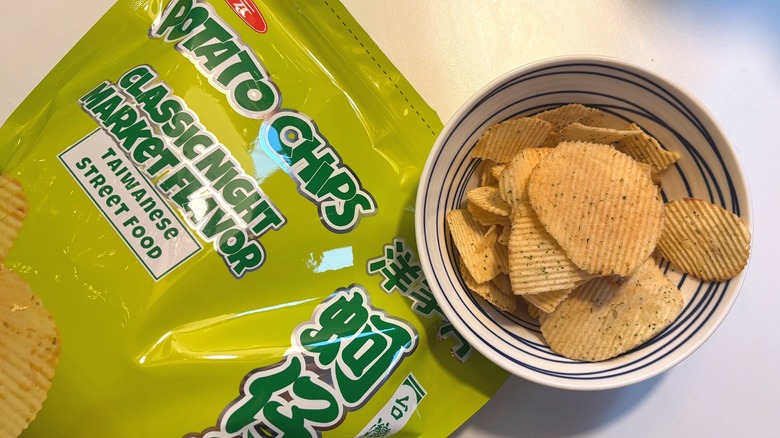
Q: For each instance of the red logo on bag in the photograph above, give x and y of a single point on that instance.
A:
(248, 11)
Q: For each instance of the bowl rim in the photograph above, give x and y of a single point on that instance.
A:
(680, 92)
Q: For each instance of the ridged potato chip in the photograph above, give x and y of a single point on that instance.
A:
(599, 205)
(494, 291)
(646, 149)
(533, 311)
(602, 319)
(489, 199)
(513, 182)
(485, 217)
(506, 231)
(467, 234)
(29, 352)
(536, 262)
(599, 119)
(496, 170)
(565, 115)
(486, 177)
(592, 134)
(13, 210)
(704, 240)
(547, 301)
(502, 141)
(552, 140)
(489, 239)
(650, 171)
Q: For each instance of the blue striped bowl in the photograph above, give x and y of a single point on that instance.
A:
(708, 169)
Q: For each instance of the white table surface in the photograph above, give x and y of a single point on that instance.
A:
(727, 53)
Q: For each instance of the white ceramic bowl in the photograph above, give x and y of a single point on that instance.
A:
(708, 169)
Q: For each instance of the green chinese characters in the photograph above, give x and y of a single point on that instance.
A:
(310, 404)
(361, 346)
(338, 360)
(401, 272)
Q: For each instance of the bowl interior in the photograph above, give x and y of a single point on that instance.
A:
(708, 169)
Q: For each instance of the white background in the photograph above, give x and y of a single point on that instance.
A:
(727, 53)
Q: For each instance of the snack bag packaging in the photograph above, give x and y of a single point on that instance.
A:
(221, 222)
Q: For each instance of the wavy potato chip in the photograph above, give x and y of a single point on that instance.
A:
(592, 134)
(704, 240)
(597, 119)
(564, 115)
(467, 234)
(547, 301)
(29, 352)
(552, 140)
(533, 311)
(506, 231)
(600, 119)
(593, 118)
(646, 149)
(485, 217)
(602, 319)
(599, 205)
(513, 182)
(488, 198)
(13, 210)
(651, 172)
(537, 263)
(486, 177)
(494, 291)
(489, 239)
(496, 170)
(502, 141)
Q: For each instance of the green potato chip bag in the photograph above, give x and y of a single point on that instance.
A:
(221, 222)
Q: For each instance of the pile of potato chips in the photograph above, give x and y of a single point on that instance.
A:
(568, 215)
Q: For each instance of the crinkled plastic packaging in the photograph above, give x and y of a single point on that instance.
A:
(221, 221)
